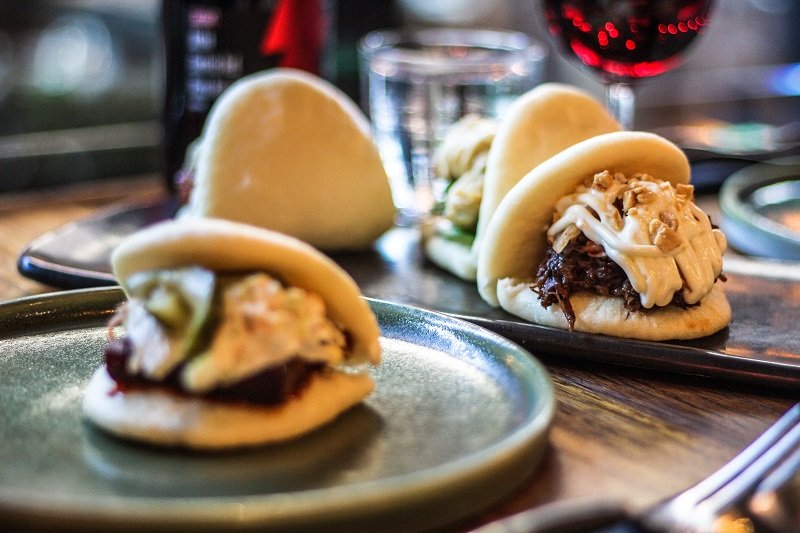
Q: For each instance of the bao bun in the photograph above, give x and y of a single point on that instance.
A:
(515, 242)
(164, 417)
(222, 245)
(539, 124)
(288, 151)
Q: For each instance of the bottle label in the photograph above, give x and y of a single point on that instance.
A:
(218, 42)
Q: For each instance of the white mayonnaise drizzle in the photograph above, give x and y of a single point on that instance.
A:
(662, 240)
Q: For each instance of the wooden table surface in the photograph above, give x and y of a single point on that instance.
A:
(628, 435)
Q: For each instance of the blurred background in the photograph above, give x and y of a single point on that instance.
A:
(82, 83)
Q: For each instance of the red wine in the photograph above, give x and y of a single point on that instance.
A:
(627, 39)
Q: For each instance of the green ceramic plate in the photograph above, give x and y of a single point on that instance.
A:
(459, 419)
(761, 209)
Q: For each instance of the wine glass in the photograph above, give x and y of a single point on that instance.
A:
(626, 40)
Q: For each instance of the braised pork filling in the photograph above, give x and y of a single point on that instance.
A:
(584, 266)
(272, 386)
(640, 239)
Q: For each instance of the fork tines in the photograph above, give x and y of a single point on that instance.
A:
(770, 461)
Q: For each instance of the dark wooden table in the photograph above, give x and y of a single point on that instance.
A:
(624, 434)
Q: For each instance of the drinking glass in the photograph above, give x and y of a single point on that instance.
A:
(418, 82)
(625, 40)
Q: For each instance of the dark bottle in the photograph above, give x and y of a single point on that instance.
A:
(209, 44)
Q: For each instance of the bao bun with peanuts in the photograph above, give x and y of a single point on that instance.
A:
(286, 150)
(605, 237)
(233, 336)
(482, 159)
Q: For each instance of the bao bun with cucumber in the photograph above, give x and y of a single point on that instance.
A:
(606, 237)
(232, 336)
(481, 159)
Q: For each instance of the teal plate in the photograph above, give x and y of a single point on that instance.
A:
(761, 209)
(459, 418)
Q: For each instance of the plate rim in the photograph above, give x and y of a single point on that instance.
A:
(528, 438)
(740, 217)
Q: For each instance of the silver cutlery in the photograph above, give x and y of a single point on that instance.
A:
(720, 498)
(756, 491)
(776, 502)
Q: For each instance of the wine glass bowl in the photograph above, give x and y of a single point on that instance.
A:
(625, 40)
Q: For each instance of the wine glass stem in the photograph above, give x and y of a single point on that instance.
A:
(621, 101)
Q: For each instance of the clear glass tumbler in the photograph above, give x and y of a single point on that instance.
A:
(416, 83)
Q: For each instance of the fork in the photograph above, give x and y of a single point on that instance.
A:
(701, 508)
(762, 468)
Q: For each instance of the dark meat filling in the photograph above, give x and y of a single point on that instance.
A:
(272, 386)
(583, 266)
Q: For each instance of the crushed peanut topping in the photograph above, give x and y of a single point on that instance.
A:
(628, 200)
(603, 180)
(665, 238)
(686, 191)
(651, 228)
(644, 195)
